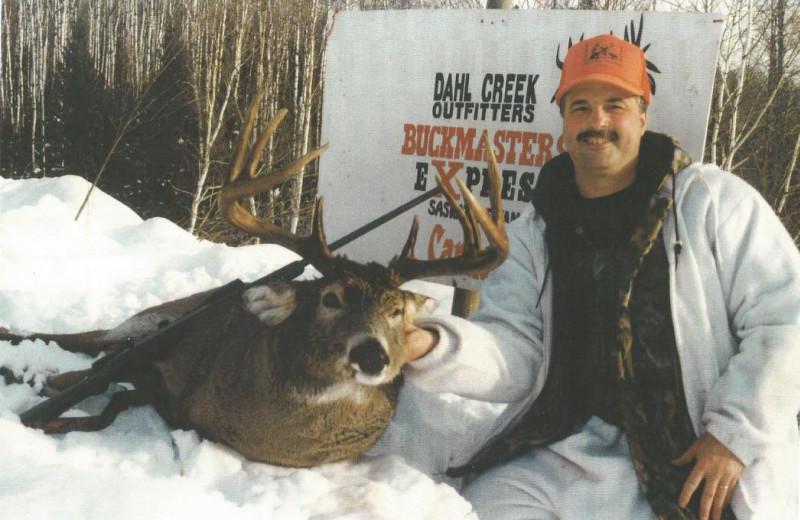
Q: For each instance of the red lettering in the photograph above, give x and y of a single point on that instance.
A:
(446, 149)
(451, 142)
(500, 152)
(440, 246)
(408, 141)
(513, 137)
(545, 152)
(436, 236)
(560, 144)
(465, 139)
(433, 151)
(447, 176)
(528, 140)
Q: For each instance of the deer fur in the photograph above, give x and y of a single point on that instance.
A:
(278, 383)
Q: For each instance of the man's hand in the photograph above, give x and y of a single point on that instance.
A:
(419, 342)
(720, 469)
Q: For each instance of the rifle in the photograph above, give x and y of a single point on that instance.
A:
(105, 370)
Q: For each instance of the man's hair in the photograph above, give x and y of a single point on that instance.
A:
(642, 104)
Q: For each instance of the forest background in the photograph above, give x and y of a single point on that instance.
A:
(146, 97)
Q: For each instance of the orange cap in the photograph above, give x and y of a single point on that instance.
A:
(605, 59)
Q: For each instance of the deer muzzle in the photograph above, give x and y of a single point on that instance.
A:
(369, 359)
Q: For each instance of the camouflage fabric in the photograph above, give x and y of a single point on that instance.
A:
(616, 356)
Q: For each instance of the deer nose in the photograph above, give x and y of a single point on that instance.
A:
(370, 357)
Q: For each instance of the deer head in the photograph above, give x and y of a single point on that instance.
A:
(357, 312)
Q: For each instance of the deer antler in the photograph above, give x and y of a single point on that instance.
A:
(474, 259)
(314, 247)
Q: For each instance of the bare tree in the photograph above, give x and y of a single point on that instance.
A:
(214, 32)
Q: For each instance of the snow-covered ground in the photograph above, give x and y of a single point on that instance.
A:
(59, 275)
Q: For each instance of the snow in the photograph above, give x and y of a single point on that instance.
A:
(62, 275)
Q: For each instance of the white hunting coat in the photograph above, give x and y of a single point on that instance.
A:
(735, 295)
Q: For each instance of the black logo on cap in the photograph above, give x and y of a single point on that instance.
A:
(600, 51)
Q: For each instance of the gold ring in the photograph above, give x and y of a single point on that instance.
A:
(723, 487)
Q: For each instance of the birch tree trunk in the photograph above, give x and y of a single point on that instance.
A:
(787, 183)
(213, 85)
(733, 139)
(303, 111)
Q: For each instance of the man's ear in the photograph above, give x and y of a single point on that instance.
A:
(271, 303)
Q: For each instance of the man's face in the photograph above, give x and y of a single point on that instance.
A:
(603, 126)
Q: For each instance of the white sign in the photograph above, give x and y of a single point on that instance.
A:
(408, 94)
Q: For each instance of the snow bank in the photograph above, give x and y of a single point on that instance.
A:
(62, 275)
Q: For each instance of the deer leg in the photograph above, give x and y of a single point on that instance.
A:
(119, 402)
(57, 383)
(92, 342)
(54, 385)
(137, 326)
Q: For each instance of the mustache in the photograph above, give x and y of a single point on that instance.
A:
(610, 135)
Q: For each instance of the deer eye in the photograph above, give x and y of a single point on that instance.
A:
(331, 301)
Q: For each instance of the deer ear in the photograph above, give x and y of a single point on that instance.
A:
(419, 305)
(271, 303)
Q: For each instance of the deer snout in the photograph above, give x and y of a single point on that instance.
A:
(369, 358)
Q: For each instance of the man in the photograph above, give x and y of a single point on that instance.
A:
(644, 329)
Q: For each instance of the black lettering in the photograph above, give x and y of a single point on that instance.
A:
(438, 87)
(422, 176)
(473, 176)
(516, 113)
(509, 179)
(485, 186)
(462, 88)
(437, 207)
(505, 115)
(497, 93)
(528, 118)
(486, 93)
(468, 108)
(508, 96)
(448, 110)
(519, 85)
(495, 107)
(447, 95)
(526, 182)
(530, 93)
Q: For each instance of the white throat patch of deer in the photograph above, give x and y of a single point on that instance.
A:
(287, 372)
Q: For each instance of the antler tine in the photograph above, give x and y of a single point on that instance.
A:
(494, 187)
(466, 220)
(258, 148)
(242, 189)
(411, 241)
(313, 248)
(318, 233)
(244, 137)
(473, 259)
